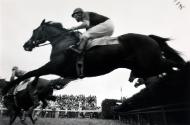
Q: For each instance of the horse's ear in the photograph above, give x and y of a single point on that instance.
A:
(43, 22)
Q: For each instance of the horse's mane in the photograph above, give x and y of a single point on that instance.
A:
(55, 24)
(60, 26)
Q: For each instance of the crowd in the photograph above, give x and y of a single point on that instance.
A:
(71, 102)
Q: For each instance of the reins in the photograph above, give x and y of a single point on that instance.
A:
(49, 42)
(43, 44)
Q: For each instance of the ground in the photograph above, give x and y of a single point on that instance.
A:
(69, 121)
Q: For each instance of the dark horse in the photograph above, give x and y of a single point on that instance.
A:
(20, 101)
(140, 53)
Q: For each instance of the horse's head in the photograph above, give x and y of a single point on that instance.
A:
(38, 37)
(51, 31)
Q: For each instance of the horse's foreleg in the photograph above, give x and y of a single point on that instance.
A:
(12, 117)
(31, 118)
(22, 117)
(23, 122)
(44, 70)
(36, 115)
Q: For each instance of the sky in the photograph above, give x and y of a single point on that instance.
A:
(18, 18)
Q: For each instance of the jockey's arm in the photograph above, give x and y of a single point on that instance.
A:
(12, 76)
(84, 25)
(16, 73)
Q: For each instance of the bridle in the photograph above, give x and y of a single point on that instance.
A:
(40, 45)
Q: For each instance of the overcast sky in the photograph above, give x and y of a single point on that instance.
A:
(19, 17)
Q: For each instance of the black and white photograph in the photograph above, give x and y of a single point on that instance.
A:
(94, 62)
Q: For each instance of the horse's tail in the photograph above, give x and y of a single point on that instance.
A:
(169, 52)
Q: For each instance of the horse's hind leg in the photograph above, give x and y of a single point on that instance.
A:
(132, 77)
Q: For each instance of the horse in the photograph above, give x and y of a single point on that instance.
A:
(167, 52)
(140, 53)
(21, 101)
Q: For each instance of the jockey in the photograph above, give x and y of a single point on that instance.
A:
(16, 72)
(96, 26)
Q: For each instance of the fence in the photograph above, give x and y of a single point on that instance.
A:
(173, 114)
(49, 113)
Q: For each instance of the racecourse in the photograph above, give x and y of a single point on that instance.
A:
(64, 121)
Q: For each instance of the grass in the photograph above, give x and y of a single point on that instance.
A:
(65, 121)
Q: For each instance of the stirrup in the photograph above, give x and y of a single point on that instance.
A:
(80, 69)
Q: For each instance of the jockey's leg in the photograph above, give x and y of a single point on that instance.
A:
(80, 66)
(80, 51)
(82, 44)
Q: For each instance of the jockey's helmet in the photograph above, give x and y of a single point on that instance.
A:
(76, 11)
(15, 68)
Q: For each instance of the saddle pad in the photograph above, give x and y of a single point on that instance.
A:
(107, 40)
(21, 87)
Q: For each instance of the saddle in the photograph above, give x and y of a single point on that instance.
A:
(102, 41)
(20, 87)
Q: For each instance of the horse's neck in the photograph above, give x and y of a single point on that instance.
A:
(60, 37)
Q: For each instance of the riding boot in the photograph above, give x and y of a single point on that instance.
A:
(80, 67)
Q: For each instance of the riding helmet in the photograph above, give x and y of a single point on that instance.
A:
(77, 10)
